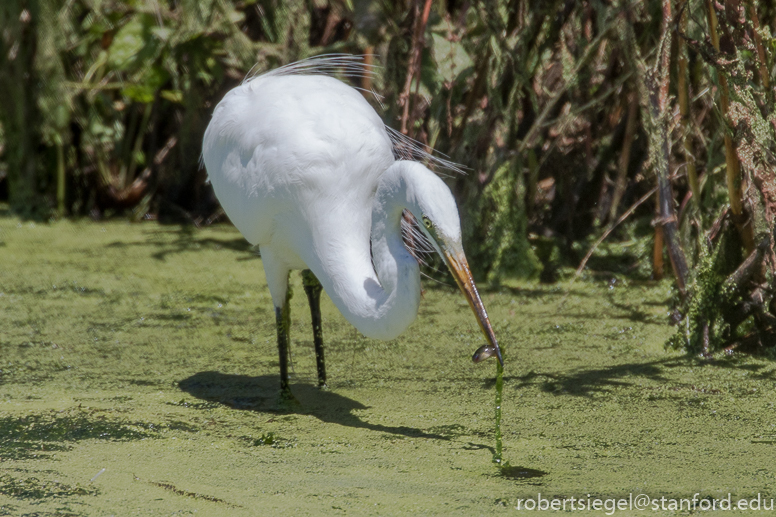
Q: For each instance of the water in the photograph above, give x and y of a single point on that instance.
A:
(208, 387)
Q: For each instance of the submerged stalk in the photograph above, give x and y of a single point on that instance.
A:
(497, 454)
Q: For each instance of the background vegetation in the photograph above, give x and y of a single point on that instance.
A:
(650, 123)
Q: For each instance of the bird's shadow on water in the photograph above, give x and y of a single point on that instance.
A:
(185, 239)
(635, 311)
(261, 394)
(586, 382)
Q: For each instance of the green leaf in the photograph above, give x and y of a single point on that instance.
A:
(126, 45)
(139, 92)
(134, 44)
(145, 87)
(236, 16)
(172, 95)
(451, 57)
(162, 33)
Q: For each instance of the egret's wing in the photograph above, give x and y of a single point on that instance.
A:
(404, 147)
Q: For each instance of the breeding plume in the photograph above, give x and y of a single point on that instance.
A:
(306, 170)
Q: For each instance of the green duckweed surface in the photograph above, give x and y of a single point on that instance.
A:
(138, 376)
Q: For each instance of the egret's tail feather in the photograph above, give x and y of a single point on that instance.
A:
(326, 64)
(406, 148)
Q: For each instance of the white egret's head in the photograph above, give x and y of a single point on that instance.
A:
(436, 214)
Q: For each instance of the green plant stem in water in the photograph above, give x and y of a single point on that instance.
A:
(499, 388)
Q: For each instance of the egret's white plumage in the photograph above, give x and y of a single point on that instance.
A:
(305, 169)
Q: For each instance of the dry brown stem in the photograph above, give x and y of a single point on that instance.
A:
(656, 96)
(684, 110)
(758, 41)
(733, 166)
(609, 230)
(413, 67)
(627, 144)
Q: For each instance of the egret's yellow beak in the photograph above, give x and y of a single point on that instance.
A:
(460, 270)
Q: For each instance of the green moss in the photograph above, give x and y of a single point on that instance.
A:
(499, 222)
(34, 488)
(38, 435)
(163, 372)
(708, 298)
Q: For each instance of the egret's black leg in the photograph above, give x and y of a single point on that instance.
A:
(313, 289)
(283, 322)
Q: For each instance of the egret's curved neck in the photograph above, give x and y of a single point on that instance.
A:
(395, 267)
(380, 298)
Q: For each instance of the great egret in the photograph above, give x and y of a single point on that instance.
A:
(305, 168)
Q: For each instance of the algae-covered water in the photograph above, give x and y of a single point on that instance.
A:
(138, 376)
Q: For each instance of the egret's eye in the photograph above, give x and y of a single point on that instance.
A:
(427, 222)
